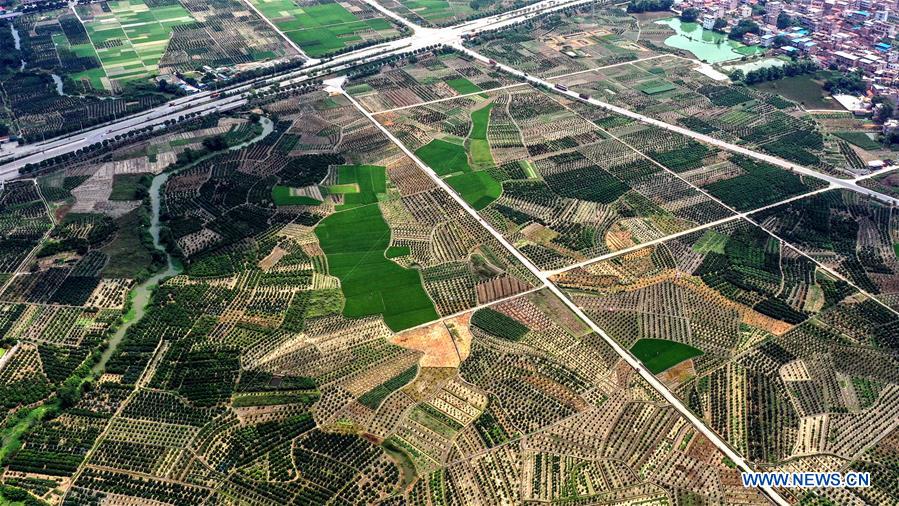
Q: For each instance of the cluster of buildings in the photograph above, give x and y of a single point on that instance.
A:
(848, 34)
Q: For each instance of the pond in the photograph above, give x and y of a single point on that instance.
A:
(706, 45)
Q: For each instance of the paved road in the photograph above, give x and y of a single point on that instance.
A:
(15, 157)
(849, 184)
(421, 38)
(650, 378)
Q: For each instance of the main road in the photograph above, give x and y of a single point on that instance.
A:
(849, 184)
(13, 158)
(238, 95)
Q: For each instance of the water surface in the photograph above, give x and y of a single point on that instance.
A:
(707, 45)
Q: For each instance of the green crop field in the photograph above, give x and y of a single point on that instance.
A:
(656, 87)
(367, 180)
(807, 90)
(131, 38)
(659, 354)
(356, 241)
(480, 149)
(463, 86)
(444, 157)
(437, 11)
(477, 187)
(860, 139)
(322, 29)
(281, 196)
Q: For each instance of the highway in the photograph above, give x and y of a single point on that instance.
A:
(849, 184)
(625, 354)
(13, 157)
(421, 37)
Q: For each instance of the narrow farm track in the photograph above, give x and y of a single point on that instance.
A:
(545, 83)
(425, 37)
(625, 354)
(28, 258)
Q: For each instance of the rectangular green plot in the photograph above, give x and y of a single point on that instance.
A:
(860, 139)
(347, 28)
(371, 180)
(329, 14)
(315, 42)
(477, 188)
(93, 76)
(655, 87)
(463, 86)
(106, 34)
(379, 24)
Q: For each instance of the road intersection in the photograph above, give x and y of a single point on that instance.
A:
(422, 38)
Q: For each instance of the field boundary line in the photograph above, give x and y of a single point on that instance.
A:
(277, 30)
(669, 237)
(626, 355)
(447, 99)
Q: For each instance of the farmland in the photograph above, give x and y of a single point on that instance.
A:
(684, 97)
(433, 77)
(440, 285)
(751, 314)
(588, 38)
(354, 241)
(854, 236)
(130, 38)
(79, 67)
(524, 160)
(327, 27)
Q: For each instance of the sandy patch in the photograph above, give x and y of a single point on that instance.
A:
(272, 258)
(435, 341)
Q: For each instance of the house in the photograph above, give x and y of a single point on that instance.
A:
(708, 21)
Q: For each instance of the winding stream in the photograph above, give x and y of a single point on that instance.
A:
(17, 42)
(58, 82)
(140, 295)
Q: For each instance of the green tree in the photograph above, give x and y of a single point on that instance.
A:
(690, 15)
(637, 6)
(784, 20)
(883, 108)
(743, 27)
